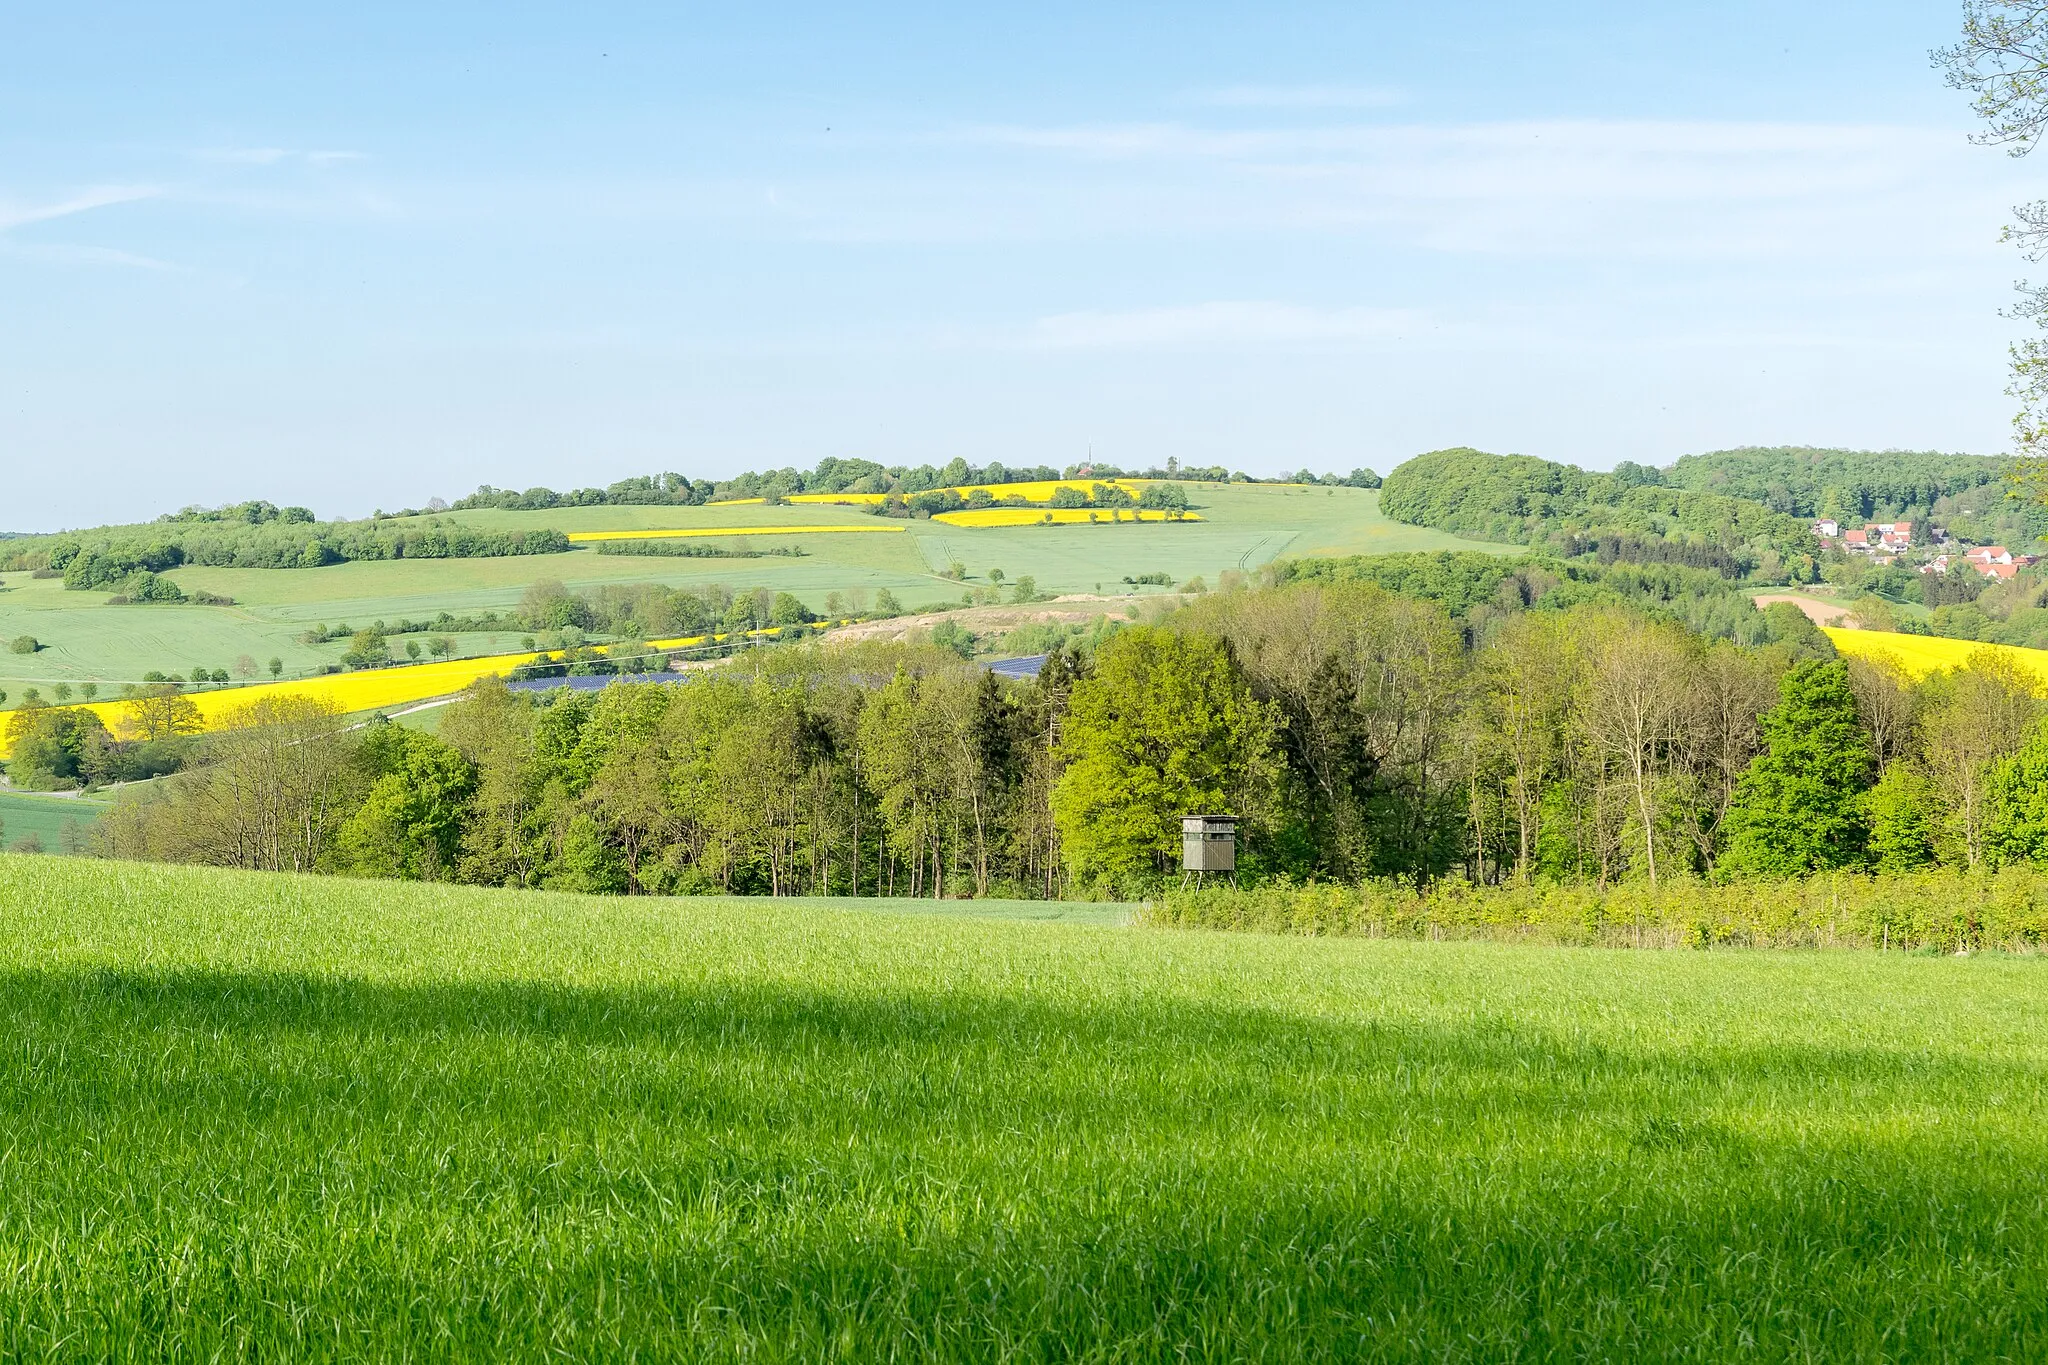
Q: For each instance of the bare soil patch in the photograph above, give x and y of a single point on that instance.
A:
(1819, 612)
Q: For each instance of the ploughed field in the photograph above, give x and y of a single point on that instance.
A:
(248, 1115)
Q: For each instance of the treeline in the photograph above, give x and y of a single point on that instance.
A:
(557, 618)
(1566, 510)
(117, 562)
(1478, 589)
(1849, 485)
(834, 475)
(1360, 735)
(1154, 497)
(885, 770)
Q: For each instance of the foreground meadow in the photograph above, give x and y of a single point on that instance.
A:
(247, 1115)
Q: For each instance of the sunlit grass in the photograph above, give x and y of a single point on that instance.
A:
(583, 537)
(256, 1116)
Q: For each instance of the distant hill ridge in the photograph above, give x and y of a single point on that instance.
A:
(1851, 485)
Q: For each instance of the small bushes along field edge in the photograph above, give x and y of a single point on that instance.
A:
(1947, 911)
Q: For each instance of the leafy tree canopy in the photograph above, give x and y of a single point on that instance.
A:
(1851, 484)
(1164, 726)
(1799, 806)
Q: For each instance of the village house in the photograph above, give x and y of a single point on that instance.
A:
(1891, 537)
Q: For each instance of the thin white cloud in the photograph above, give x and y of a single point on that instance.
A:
(1300, 97)
(14, 215)
(1571, 188)
(1218, 324)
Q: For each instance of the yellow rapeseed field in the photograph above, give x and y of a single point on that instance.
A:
(582, 537)
(1920, 655)
(373, 689)
(1054, 516)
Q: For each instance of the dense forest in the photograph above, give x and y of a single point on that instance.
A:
(1849, 485)
(1544, 730)
(1629, 513)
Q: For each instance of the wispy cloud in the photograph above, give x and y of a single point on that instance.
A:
(1299, 97)
(1225, 324)
(1581, 188)
(61, 253)
(13, 215)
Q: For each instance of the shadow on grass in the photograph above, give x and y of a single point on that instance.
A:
(789, 1172)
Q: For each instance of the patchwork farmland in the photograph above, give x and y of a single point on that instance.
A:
(811, 549)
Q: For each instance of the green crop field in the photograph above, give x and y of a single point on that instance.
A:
(1244, 526)
(246, 1116)
(55, 821)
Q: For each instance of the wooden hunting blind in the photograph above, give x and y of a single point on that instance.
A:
(1208, 843)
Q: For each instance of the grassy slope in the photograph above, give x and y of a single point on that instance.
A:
(1246, 526)
(46, 817)
(244, 1115)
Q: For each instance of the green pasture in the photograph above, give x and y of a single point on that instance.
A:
(247, 1116)
(56, 821)
(1244, 526)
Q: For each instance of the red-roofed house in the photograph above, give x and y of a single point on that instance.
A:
(1855, 540)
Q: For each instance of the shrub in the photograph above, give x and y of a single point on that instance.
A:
(24, 644)
(1946, 911)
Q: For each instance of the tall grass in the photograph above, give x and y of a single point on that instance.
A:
(1947, 911)
(248, 1116)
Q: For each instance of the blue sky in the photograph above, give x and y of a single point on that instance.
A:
(360, 257)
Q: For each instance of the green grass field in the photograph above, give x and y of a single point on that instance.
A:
(54, 820)
(261, 1117)
(1245, 526)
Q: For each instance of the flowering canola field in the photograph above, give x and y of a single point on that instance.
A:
(1919, 655)
(1054, 516)
(371, 689)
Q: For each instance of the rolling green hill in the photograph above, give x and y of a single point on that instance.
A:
(1243, 526)
(55, 822)
(1629, 513)
(249, 1116)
